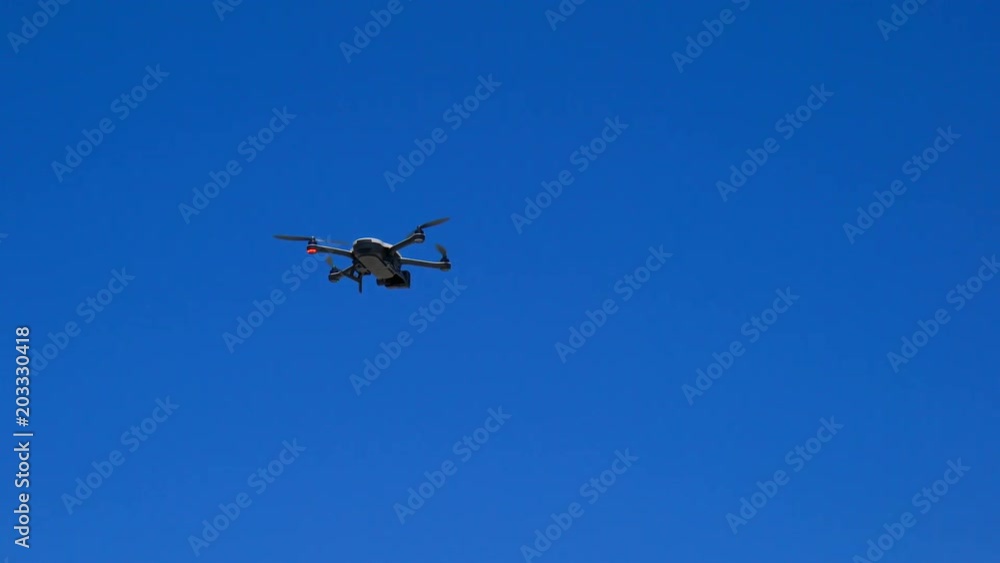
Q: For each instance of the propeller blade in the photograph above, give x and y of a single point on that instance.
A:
(433, 223)
(329, 261)
(444, 253)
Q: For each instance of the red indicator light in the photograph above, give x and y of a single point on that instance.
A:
(311, 250)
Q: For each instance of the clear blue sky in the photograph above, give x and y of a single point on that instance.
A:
(72, 234)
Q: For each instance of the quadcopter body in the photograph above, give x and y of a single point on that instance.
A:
(371, 256)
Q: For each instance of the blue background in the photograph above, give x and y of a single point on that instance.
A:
(493, 346)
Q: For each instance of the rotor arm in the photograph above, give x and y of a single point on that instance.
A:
(414, 238)
(349, 272)
(333, 250)
(417, 236)
(442, 265)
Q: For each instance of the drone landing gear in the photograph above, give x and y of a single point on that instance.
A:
(356, 277)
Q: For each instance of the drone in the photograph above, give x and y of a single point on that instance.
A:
(371, 256)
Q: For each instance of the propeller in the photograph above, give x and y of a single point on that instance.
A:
(444, 253)
(329, 261)
(430, 224)
(312, 240)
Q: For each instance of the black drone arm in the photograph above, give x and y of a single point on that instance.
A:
(334, 250)
(412, 239)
